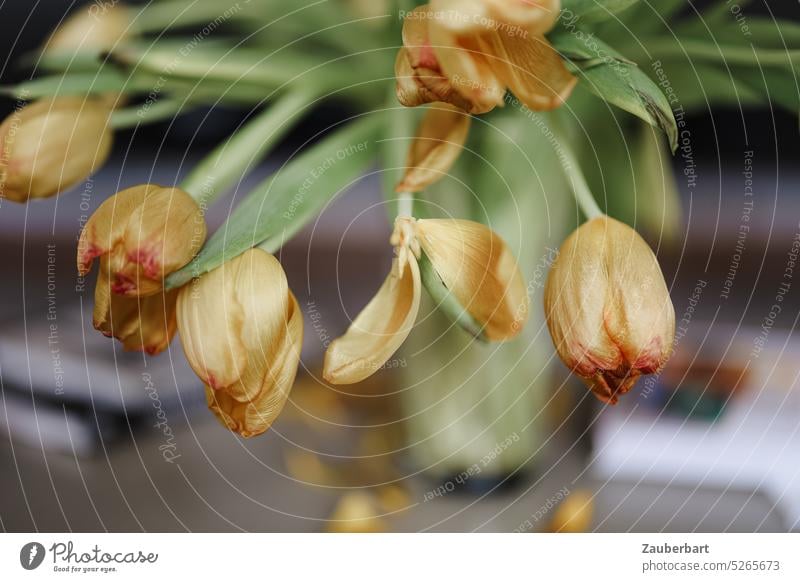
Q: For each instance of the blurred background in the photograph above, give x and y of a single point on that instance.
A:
(95, 439)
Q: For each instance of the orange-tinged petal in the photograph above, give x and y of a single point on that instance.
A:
(533, 16)
(143, 233)
(608, 307)
(141, 323)
(209, 324)
(477, 266)
(253, 416)
(519, 17)
(531, 68)
(106, 227)
(464, 61)
(420, 78)
(437, 145)
(231, 321)
(164, 232)
(379, 330)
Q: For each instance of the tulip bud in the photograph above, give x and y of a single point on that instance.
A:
(97, 28)
(242, 331)
(608, 307)
(478, 268)
(145, 324)
(144, 233)
(51, 145)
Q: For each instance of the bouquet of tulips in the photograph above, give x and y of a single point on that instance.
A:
(482, 116)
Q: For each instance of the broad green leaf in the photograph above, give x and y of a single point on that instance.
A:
(618, 81)
(291, 197)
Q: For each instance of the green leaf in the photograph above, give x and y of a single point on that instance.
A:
(105, 81)
(596, 9)
(616, 80)
(698, 86)
(288, 199)
(775, 86)
(446, 302)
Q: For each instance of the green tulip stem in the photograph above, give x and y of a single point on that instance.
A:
(405, 204)
(572, 170)
(235, 156)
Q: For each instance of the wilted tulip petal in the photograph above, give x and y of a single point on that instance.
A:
(531, 68)
(608, 307)
(52, 145)
(533, 16)
(146, 233)
(437, 145)
(379, 330)
(420, 76)
(519, 17)
(480, 48)
(242, 331)
(142, 324)
(478, 268)
(251, 417)
(467, 67)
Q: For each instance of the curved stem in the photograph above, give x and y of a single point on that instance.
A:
(572, 170)
(235, 157)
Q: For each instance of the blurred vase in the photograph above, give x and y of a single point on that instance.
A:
(478, 408)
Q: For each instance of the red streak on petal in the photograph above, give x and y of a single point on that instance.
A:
(212, 381)
(150, 261)
(427, 57)
(122, 285)
(649, 360)
(88, 254)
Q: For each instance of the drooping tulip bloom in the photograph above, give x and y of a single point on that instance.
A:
(51, 145)
(242, 331)
(468, 52)
(473, 263)
(477, 266)
(97, 27)
(608, 307)
(141, 323)
(142, 234)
